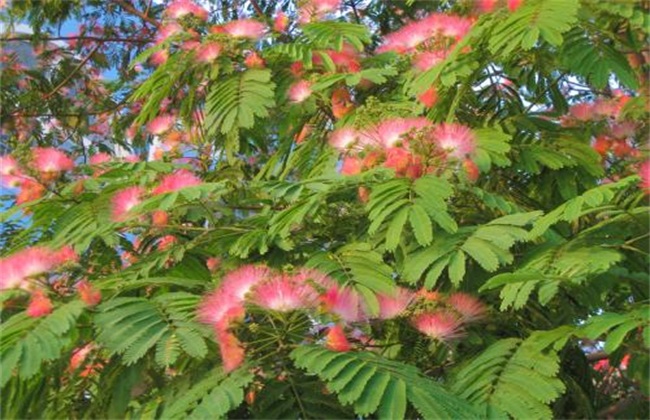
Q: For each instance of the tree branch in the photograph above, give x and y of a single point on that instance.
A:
(82, 38)
(129, 8)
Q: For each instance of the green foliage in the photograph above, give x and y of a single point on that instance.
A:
(132, 326)
(372, 384)
(514, 377)
(28, 342)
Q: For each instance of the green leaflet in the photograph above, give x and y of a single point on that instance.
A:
(514, 377)
(371, 384)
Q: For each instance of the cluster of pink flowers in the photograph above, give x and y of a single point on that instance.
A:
(429, 39)
(311, 290)
(181, 8)
(125, 200)
(315, 10)
(17, 268)
(410, 146)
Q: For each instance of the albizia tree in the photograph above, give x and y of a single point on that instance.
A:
(325, 208)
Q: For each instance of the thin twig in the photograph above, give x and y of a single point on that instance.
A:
(129, 8)
(72, 73)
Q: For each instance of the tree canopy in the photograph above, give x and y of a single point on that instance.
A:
(324, 209)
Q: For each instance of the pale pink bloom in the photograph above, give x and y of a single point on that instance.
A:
(582, 111)
(428, 59)
(605, 108)
(442, 326)
(208, 52)
(413, 34)
(283, 293)
(161, 124)
(220, 309)
(239, 282)
(165, 242)
(469, 308)
(64, 255)
(88, 293)
(344, 302)
(486, 6)
(132, 158)
(316, 9)
(12, 181)
(232, 352)
(390, 132)
(280, 22)
(391, 306)
(79, 355)
(342, 138)
(167, 31)
(180, 179)
(623, 130)
(159, 57)
(48, 159)
(254, 61)
(346, 60)
(180, 8)
(39, 305)
(456, 139)
(299, 91)
(190, 45)
(8, 165)
(99, 158)
(644, 173)
(123, 201)
(245, 28)
(450, 25)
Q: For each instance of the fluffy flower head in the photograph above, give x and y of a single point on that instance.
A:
(180, 8)
(456, 139)
(48, 159)
(245, 28)
(161, 124)
(391, 306)
(342, 138)
(123, 201)
(299, 91)
(88, 293)
(442, 326)
(182, 178)
(644, 173)
(344, 302)
(207, 53)
(469, 308)
(39, 305)
(283, 293)
(336, 340)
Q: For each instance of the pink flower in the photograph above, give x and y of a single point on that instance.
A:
(208, 52)
(457, 140)
(469, 308)
(30, 190)
(159, 57)
(644, 173)
(180, 179)
(280, 22)
(391, 306)
(39, 305)
(123, 201)
(167, 31)
(514, 4)
(623, 130)
(213, 263)
(471, 170)
(166, 242)
(486, 6)
(88, 293)
(390, 132)
(283, 293)
(65, 255)
(582, 111)
(161, 124)
(254, 61)
(79, 355)
(429, 97)
(180, 8)
(442, 326)
(351, 165)
(245, 28)
(299, 91)
(48, 159)
(335, 339)
(8, 165)
(159, 218)
(428, 59)
(342, 138)
(232, 352)
(239, 282)
(220, 309)
(344, 302)
(99, 158)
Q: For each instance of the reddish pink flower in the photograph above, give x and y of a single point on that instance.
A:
(161, 124)
(30, 190)
(400, 160)
(299, 91)
(79, 356)
(39, 304)
(167, 31)
(239, 282)
(213, 263)
(471, 170)
(622, 148)
(391, 306)
(644, 173)
(16, 268)
(65, 255)
(335, 339)
(351, 165)
(623, 130)
(245, 28)
(602, 145)
(99, 158)
(457, 140)
(48, 159)
(123, 201)
(207, 53)
(429, 97)
(469, 308)
(413, 34)
(280, 22)
(254, 61)
(442, 326)
(166, 242)
(88, 293)
(344, 302)
(283, 293)
(341, 103)
(180, 179)
(180, 8)
(220, 308)
(159, 57)
(514, 4)
(159, 218)
(486, 6)
(392, 131)
(232, 352)
(342, 138)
